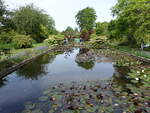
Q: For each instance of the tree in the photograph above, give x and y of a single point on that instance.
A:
(86, 18)
(101, 28)
(30, 20)
(69, 32)
(85, 35)
(131, 17)
(142, 34)
(5, 18)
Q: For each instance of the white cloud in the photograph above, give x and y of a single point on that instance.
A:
(64, 11)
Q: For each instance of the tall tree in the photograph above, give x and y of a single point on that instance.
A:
(30, 20)
(132, 21)
(5, 17)
(69, 32)
(86, 18)
(101, 28)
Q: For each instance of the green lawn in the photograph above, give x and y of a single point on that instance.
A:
(14, 51)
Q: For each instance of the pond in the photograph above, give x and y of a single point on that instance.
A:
(38, 86)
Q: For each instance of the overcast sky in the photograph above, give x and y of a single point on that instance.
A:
(64, 11)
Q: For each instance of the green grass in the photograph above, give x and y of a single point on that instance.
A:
(134, 51)
(14, 51)
(2, 46)
(5, 62)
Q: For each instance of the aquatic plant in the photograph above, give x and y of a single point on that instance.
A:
(127, 62)
(140, 75)
(89, 97)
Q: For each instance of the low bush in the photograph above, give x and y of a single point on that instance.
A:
(98, 41)
(54, 39)
(22, 41)
(6, 38)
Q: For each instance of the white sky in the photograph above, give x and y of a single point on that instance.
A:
(64, 11)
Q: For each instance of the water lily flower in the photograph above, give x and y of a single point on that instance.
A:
(142, 71)
(137, 79)
(135, 94)
(138, 72)
(116, 104)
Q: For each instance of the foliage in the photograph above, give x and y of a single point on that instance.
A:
(5, 18)
(44, 31)
(93, 36)
(22, 41)
(98, 41)
(85, 35)
(101, 28)
(127, 62)
(87, 97)
(70, 32)
(141, 75)
(54, 39)
(30, 20)
(86, 18)
(3, 46)
(132, 21)
(86, 65)
(6, 37)
(142, 35)
(134, 52)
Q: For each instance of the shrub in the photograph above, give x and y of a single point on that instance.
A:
(98, 41)
(93, 36)
(6, 38)
(85, 35)
(22, 41)
(54, 39)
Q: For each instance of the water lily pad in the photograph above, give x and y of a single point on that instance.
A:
(26, 111)
(43, 98)
(46, 92)
(37, 111)
(29, 105)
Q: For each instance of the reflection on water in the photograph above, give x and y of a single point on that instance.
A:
(37, 68)
(84, 59)
(3, 82)
(27, 83)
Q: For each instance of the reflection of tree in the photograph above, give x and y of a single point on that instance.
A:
(3, 82)
(68, 52)
(36, 68)
(119, 78)
(86, 65)
(85, 59)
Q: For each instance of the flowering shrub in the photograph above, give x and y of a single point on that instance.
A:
(22, 41)
(54, 39)
(98, 41)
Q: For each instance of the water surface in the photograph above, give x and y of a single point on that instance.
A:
(27, 83)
